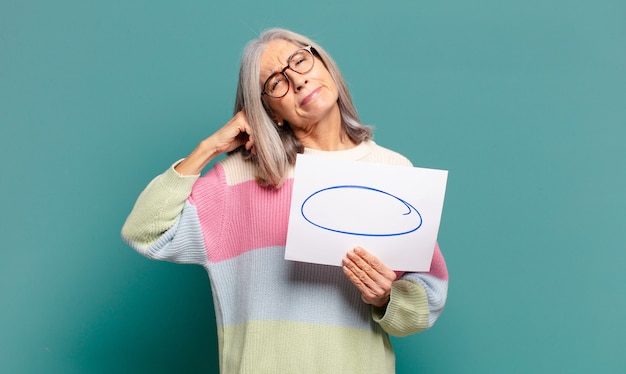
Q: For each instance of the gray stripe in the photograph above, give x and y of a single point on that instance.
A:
(262, 285)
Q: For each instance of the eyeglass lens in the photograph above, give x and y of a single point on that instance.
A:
(301, 62)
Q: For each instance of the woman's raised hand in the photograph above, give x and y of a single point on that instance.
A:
(235, 133)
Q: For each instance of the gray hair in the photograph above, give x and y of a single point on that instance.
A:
(276, 146)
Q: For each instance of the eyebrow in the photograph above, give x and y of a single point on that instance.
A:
(287, 61)
(276, 71)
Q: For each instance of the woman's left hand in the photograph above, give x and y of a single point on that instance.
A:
(369, 275)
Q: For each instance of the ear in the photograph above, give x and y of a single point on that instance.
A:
(277, 119)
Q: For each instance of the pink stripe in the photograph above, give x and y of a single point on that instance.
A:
(240, 218)
(260, 220)
(438, 266)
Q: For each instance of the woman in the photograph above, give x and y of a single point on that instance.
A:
(273, 315)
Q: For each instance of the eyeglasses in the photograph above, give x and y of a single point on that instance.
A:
(301, 61)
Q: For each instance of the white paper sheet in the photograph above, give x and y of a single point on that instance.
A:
(392, 211)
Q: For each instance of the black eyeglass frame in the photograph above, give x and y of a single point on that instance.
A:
(311, 51)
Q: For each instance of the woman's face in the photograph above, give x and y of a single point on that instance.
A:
(312, 96)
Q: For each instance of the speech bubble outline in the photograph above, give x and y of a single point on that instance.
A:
(410, 207)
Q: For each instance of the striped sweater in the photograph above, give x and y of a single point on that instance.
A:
(274, 315)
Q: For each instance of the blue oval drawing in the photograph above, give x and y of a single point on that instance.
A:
(360, 210)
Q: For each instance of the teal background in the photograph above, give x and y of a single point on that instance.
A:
(524, 102)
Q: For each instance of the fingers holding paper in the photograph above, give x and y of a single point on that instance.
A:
(369, 275)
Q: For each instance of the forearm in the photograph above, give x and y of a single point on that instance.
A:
(234, 134)
(197, 160)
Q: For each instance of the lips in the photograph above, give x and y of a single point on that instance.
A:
(310, 96)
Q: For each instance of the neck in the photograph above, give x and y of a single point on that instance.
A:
(326, 135)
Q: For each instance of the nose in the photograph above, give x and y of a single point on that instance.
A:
(297, 80)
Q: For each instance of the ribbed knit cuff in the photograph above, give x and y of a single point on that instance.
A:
(407, 311)
(175, 182)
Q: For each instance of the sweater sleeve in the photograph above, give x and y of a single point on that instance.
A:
(152, 226)
(417, 300)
